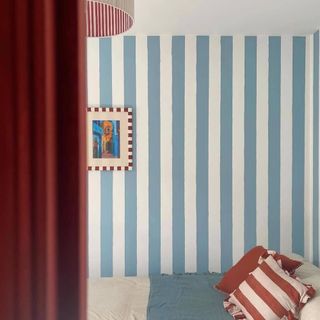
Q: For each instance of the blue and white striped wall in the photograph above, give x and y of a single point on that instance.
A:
(225, 151)
(315, 155)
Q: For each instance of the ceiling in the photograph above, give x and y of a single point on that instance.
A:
(226, 17)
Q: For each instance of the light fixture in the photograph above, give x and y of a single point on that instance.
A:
(109, 17)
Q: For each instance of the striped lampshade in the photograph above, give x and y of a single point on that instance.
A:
(109, 17)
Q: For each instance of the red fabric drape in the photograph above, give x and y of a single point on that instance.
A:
(42, 160)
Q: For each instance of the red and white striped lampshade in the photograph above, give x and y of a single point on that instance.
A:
(109, 17)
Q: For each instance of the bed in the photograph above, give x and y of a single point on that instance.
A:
(176, 297)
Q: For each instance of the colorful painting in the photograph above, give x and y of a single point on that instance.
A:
(106, 139)
(109, 139)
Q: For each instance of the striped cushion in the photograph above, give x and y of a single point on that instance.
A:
(285, 263)
(268, 293)
(239, 272)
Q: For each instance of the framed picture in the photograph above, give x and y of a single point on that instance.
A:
(109, 138)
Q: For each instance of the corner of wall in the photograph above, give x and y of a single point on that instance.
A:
(314, 145)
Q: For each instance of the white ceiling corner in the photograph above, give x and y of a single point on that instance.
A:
(226, 17)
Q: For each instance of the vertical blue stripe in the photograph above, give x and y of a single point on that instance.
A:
(250, 115)
(202, 152)
(274, 142)
(106, 177)
(129, 47)
(106, 224)
(316, 149)
(154, 153)
(298, 128)
(178, 94)
(105, 72)
(226, 152)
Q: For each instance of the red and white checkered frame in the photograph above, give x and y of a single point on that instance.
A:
(129, 166)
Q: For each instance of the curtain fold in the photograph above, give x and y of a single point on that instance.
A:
(42, 160)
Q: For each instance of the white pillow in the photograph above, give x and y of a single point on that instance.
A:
(310, 274)
(311, 311)
(307, 270)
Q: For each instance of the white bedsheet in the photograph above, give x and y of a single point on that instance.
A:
(122, 298)
(118, 298)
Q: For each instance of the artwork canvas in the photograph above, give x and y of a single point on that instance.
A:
(106, 139)
(109, 133)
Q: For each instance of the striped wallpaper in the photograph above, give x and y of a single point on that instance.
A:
(315, 144)
(225, 151)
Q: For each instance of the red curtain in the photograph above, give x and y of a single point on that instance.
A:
(42, 160)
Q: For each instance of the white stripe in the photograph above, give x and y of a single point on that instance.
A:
(262, 140)
(114, 22)
(118, 223)
(319, 170)
(91, 10)
(300, 287)
(94, 203)
(94, 222)
(280, 295)
(238, 149)
(308, 181)
(166, 153)
(236, 302)
(286, 146)
(118, 176)
(214, 228)
(93, 84)
(87, 19)
(142, 156)
(104, 20)
(95, 20)
(190, 155)
(101, 19)
(257, 302)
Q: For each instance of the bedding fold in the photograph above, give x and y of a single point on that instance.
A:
(186, 297)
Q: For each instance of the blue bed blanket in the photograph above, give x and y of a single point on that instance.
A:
(186, 297)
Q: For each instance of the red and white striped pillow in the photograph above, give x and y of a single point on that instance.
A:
(268, 293)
